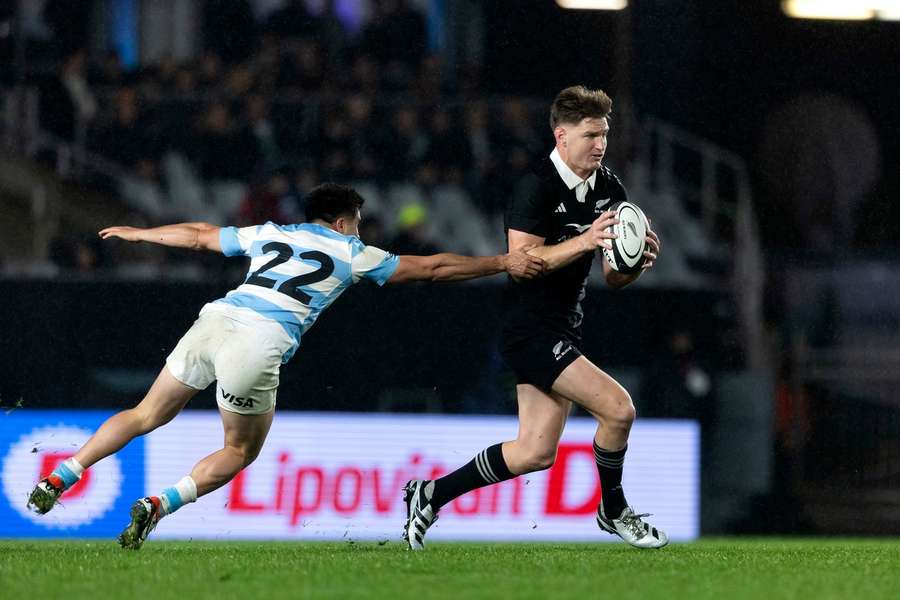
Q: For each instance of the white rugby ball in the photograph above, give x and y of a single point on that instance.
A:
(627, 254)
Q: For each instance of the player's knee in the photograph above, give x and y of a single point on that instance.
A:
(148, 419)
(621, 413)
(250, 455)
(540, 459)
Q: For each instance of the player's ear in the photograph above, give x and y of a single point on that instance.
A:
(560, 134)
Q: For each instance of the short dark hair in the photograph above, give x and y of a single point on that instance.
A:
(329, 201)
(576, 103)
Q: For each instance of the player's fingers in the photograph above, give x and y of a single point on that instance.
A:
(605, 223)
(650, 255)
(524, 266)
(529, 270)
(653, 244)
(607, 245)
(609, 235)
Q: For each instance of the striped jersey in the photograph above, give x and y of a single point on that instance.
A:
(297, 271)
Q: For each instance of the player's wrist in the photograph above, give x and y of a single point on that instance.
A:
(586, 242)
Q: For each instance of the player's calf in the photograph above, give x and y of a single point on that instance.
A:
(48, 490)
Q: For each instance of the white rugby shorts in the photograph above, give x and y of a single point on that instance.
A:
(239, 350)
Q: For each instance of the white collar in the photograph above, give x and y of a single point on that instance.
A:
(568, 175)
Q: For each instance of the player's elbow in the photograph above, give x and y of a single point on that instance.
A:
(206, 237)
(196, 244)
(614, 283)
(617, 280)
(415, 268)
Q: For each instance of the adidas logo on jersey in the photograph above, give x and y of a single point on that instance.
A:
(561, 208)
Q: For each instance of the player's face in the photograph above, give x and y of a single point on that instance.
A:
(583, 145)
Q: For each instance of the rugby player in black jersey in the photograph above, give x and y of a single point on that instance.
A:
(563, 221)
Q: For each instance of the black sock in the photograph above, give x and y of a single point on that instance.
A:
(609, 465)
(486, 468)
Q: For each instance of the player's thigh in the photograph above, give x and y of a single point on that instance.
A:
(165, 399)
(542, 418)
(191, 361)
(246, 433)
(596, 391)
(247, 370)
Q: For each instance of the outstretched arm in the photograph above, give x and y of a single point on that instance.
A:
(559, 255)
(453, 267)
(195, 236)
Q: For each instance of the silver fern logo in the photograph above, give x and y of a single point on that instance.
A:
(561, 348)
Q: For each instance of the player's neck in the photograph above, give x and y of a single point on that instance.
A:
(325, 224)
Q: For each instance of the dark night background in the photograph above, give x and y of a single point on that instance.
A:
(794, 329)
(717, 68)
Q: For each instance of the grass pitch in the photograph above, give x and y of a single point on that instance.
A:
(716, 568)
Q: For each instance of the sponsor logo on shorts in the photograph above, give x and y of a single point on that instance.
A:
(560, 349)
(238, 401)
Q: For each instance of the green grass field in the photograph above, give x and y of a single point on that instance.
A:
(717, 568)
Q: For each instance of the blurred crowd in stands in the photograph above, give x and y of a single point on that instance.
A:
(240, 134)
(270, 110)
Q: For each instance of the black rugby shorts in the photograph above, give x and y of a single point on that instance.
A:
(541, 359)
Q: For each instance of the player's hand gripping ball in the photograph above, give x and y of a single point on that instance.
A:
(627, 253)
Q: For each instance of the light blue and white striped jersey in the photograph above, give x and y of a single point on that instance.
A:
(297, 271)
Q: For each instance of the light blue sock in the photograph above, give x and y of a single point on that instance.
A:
(69, 472)
(173, 498)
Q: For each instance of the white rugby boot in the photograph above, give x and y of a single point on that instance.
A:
(420, 514)
(632, 528)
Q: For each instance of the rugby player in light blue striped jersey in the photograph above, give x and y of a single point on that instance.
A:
(240, 341)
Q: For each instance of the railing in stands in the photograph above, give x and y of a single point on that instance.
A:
(714, 184)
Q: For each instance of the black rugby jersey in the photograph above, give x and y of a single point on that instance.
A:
(553, 303)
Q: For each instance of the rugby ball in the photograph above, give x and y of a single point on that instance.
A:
(627, 253)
